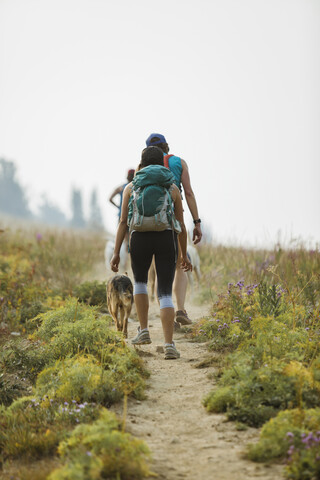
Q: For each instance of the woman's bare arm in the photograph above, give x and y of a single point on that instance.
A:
(191, 201)
(122, 229)
(115, 192)
(178, 211)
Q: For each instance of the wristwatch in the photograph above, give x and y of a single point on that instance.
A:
(197, 221)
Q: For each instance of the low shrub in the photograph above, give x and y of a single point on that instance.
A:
(254, 395)
(80, 378)
(283, 432)
(32, 427)
(102, 451)
(275, 339)
(84, 378)
(304, 461)
(75, 328)
(22, 296)
(24, 358)
(91, 293)
(12, 387)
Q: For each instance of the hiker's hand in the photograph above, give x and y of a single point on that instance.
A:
(197, 234)
(185, 264)
(114, 263)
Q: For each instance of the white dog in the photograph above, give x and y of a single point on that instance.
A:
(195, 260)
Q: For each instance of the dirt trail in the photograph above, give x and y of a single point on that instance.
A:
(186, 441)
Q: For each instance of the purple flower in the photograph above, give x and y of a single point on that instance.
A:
(89, 454)
(290, 435)
(39, 237)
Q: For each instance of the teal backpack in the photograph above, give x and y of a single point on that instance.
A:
(151, 207)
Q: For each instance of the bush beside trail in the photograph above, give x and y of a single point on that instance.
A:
(62, 362)
(266, 331)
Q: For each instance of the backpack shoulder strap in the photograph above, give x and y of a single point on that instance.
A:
(166, 160)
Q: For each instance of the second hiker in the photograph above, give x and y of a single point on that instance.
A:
(180, 170)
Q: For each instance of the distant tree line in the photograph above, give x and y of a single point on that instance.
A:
(14, 202)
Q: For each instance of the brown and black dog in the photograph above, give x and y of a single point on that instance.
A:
(120, 299)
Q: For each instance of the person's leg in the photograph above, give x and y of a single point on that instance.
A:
(180, 285)
(141, 255)
(141, 301)
(165, 260)
(167, 320)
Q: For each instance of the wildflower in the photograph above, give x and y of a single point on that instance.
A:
(113, 389)
(39, 237)
(89, 454)
(307, 328)
(289, 434)
(66, 403)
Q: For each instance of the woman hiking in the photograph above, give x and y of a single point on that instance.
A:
(162, 244)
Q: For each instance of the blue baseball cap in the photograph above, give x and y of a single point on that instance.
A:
(160, 139)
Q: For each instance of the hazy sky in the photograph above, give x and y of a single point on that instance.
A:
(232, 84)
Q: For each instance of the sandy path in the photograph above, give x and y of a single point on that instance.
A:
(186, 441)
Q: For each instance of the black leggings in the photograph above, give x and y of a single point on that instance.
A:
(163, 245)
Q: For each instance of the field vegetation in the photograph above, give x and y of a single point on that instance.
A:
(63, 364)
(264, 335)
